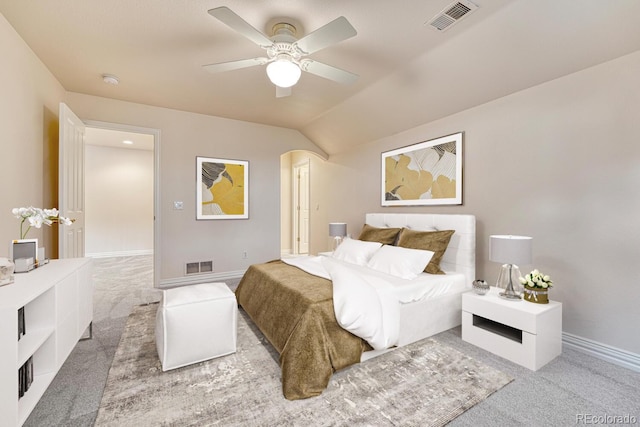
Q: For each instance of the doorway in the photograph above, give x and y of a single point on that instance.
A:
(121, 184)
(302, 204)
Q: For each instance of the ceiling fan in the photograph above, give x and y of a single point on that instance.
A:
(286, 55)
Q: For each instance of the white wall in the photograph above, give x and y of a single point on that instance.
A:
(559, 162)
(119, 201)
(29, 142)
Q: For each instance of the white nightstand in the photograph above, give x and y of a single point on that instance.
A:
(525, 333)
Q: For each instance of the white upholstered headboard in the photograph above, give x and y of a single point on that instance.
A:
(460, 255)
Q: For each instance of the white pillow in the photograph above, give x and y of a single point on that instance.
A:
(401, 262)
(356, 251)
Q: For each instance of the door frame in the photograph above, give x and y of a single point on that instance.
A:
(295, 235)
(156, 183)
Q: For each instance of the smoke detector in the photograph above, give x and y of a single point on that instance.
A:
(110, 79)
(451, 14)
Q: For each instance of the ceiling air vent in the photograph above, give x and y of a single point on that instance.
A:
(451, 14)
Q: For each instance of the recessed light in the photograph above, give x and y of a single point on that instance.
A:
(110, 79)
(126, 141)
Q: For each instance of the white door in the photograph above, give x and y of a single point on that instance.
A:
(71, 184)
(302, 210)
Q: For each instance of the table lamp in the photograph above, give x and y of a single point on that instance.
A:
(510, 251)
(337, 230)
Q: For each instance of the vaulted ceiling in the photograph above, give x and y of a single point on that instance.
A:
(409, 73)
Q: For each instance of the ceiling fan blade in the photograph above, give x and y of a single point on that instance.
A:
(234, 65)
(335, 31)
(328, 72)
(228, 17)
(281, 92)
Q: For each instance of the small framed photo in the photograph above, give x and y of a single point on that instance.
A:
(427, 173)
(222, 189)
(23, 248)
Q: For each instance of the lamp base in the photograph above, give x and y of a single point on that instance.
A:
(336, 242)
(509, 297)
(508, 280)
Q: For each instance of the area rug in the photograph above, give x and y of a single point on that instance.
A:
(422, 384)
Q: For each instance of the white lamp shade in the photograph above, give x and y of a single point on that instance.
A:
(283, 72)
(510, 249)
(337, 229)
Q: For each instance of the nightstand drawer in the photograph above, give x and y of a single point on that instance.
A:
(521, 314)
(520, 351)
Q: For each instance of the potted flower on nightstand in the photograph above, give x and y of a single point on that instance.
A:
(536, 287)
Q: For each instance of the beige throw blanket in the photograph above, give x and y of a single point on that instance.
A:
(295, 312)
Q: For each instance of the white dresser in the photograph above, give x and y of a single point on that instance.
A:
(58, 307)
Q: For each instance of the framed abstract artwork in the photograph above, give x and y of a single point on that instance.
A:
(222, 188)
(427, 173)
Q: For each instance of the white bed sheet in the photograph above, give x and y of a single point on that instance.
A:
(427, 286)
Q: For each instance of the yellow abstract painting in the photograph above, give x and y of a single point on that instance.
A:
(223, 189)
(428, 173)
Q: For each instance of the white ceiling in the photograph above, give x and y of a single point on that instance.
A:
(409, 73)
(116, 138)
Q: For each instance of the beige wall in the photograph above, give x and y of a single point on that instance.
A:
(118, 201)
(558, 162)
(29, 142)
(286, 202)
(184, 136)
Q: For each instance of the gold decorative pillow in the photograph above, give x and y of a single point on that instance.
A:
(386, 236)
(434, 241)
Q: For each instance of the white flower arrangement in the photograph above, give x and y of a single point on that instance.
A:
(535, 279)
(36, 217)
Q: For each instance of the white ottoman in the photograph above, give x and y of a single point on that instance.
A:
(195, 323)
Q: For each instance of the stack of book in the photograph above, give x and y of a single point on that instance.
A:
(25, 377)
(21, 325)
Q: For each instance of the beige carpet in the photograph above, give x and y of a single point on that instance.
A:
(423, 384)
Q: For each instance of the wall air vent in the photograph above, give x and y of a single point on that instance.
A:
(198, 267)
(451, 15)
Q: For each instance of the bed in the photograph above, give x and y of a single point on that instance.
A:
(296, 313)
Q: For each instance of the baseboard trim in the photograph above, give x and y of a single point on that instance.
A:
(605, 352)
(200, 278)
(119, 253)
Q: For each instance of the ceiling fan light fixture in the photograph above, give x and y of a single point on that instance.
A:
(283, 72)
